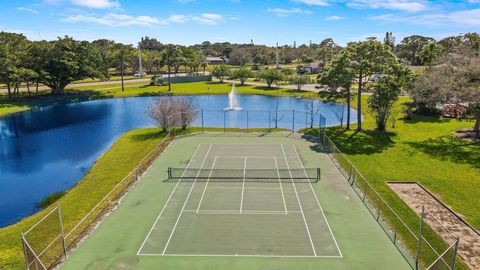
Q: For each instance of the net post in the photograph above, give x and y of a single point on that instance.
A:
(202, 120)
(224, 124)
(169, 172)
(61, 231)
(420, 232)
(318, 174)
(22, 236)
(455, 253)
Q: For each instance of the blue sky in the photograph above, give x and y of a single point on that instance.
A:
(266, 22)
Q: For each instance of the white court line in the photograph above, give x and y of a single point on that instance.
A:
(208, 179)
(235, 212)
(246, 188)
(299, 203)
(240, 255)
(168, 200)
(318, 202)
(186, 200)
(247, 157)
(243, 183)
(281, 188)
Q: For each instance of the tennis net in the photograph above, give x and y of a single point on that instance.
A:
(305, 175)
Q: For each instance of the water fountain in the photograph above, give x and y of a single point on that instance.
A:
(232, 100)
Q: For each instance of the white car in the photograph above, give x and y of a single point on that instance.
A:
(140, 74)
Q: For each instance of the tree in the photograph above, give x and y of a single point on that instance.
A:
(170, 57)
(312, 108)
(68, 60)
(385, 92)
(13, 49)
(338, 78)
(168, 112)
(430, 88)
(368, 58)
(270, 75)
(122, 56)
(429, 53)
(389, 40)
(243, 74)
(299, 80)
(411, 46)
(221, 71)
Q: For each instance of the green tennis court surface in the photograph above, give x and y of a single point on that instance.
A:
(239, 202)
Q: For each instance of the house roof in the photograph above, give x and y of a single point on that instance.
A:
(213, 58)
(314, 64)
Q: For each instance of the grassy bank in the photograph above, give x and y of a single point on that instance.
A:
(115, 164)
(137, 89)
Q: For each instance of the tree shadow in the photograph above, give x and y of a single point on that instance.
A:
(425, 119)
(449, 148)
(150, 135)
(357, 142)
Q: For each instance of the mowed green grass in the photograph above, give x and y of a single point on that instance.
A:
(138, 89)
(420, 149)
(113, 166)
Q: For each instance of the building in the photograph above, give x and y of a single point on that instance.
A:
(313, 67)
(212, 60)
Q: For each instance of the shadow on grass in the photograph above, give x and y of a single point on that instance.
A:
(151, 135)
(449, 148)
(425, 119)
(355, 142)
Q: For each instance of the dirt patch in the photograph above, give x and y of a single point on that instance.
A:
(441, 219)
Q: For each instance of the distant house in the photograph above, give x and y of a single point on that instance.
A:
(212, 60)
(313, 67)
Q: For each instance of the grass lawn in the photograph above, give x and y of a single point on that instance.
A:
(420, 149)
(138, 89)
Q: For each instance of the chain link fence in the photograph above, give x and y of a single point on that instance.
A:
(45, 244)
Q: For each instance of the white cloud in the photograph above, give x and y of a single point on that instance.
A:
(403, 5)
(283, 12)
(116, 20)
(96, 3)
(321, 3)
(334, 18)
(462, 17)
(31, 10)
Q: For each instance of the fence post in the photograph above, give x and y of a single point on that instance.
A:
(417, 259)
(306, 117)
(224, 124)
(61, 232)
(455, 253)
(293, 120)
(202, 121)
(247, 121)
(269, 119)
(24, 251)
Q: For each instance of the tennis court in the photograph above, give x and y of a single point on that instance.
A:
(242, 200)
(239, 201)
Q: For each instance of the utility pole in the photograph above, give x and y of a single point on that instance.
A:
(277, 60)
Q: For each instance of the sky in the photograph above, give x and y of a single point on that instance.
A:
(266, 22)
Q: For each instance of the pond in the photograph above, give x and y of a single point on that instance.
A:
(49, 149)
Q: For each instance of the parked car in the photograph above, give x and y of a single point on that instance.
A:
(375, 77)
(140, 74)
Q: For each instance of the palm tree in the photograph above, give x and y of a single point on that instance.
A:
(430, 52)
